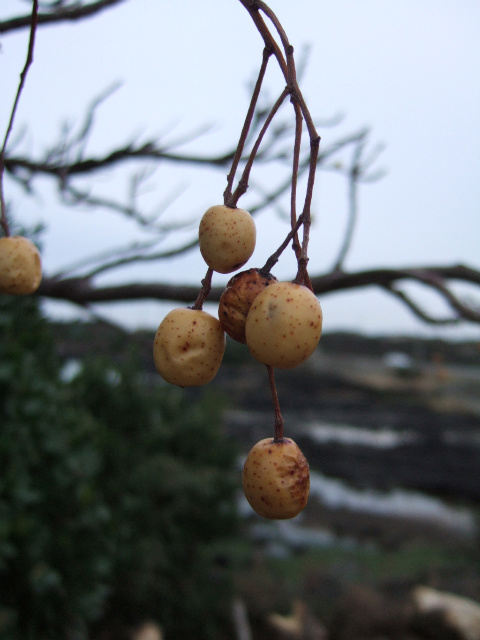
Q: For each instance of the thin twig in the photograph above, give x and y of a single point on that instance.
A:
(279, 422)
(23, 76)
(246, 127)
(296, 161)
(243, 183)
(354, 175)
(204, 291)
(273, 259)
(76, 12)
(302, 274)
(419, 312)
(287, 66)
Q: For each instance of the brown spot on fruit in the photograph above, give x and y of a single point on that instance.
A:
(237, 299)
(279, 333)
(280, 488)
(226, 238)
(188, 353)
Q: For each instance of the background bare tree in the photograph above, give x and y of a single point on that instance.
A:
(67, 162)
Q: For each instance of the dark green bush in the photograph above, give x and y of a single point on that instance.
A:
(116, 501)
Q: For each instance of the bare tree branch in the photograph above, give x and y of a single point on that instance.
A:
(55, 163)
(339, 280)
(354, 173)
(76, 11)
(420, 313)
(129, 209)
(123, 257)
(146, 151)
(83, 291)
(267, 139)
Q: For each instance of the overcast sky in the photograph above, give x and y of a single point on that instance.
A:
(406, 69)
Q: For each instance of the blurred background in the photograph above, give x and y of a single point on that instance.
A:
(120, 496)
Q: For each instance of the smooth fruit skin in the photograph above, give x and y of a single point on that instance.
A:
(276, 479)
(20, 266)
(188, 347)
(284, 325)
(237, 299)
(226, 238)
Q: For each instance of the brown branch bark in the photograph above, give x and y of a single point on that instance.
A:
(63, 14)
(83, 291)
(89, 165)
(340, 280)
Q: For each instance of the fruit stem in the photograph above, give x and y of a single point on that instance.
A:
(204, 291)
(243, 182)
(302, 260)
(278, 433)
(267, 52)
(273, 259)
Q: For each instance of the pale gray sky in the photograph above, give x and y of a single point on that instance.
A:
(408, 70)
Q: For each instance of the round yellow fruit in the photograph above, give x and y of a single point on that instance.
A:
(276, 479)
(20, 266)
(188, 347)
(284, 325)
(237, 299)
(226, 238)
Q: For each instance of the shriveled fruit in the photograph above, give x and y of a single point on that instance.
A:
(188, 347)
(284, 325)
(276, 479)
(226, 238)
(237, 299)
(20, 266)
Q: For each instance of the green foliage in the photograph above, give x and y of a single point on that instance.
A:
(116, 500)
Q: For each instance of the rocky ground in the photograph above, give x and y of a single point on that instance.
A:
(391, 429)
(395, 456)
(406, 437)
(437, 449)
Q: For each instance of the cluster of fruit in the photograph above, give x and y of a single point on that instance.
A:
(20, 266)
(280, 322)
